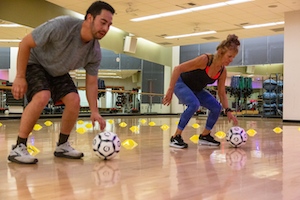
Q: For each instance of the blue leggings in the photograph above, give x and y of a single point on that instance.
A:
(193, 100)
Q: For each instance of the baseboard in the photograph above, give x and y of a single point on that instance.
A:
(293, 121)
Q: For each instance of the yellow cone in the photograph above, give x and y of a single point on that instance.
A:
(111, 121)
(220, 134)
(196, 125)
(143, 121)
(277, 130)
(129, 144)
(152, 124)
(134, 128)
(80, 122)
(48, 123)
(123, 124)
(89, 125)
(32, 150)
(194, 138)
(177, 122)
(37, 127)
(251, 132)
(0, 124)
(164, 127)
(81, 130)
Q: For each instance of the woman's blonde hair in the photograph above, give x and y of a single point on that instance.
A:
(231, 43)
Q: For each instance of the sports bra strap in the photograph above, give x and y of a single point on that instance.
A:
(209, 61)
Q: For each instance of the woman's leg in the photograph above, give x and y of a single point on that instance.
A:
(187, 97)
(208, 101)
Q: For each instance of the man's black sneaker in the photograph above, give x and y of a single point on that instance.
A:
(207, 140)
(178, 142)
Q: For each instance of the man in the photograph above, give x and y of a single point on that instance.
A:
(45, 57)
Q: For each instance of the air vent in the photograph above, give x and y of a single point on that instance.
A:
(187, 5)
(165, 43)
(162, 35)
(272, 6)
(277, 29)
(210, 38)
(191, 4)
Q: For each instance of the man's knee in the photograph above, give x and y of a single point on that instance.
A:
(41, 99)
(72, 100)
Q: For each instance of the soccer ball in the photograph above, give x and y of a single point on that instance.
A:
(236, 136)
(106, 145)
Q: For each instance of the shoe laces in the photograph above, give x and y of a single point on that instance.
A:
(178, 138)
(69, 146)
(25, 149)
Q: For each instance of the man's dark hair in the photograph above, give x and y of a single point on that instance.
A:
(97, 6)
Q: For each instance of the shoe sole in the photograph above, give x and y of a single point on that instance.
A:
(62, 155)
(203, 142)
(177, 146)
(12, 159)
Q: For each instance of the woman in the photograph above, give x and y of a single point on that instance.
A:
(188, 82)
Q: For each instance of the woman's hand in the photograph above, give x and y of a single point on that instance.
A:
(168, 97)
(230, 117)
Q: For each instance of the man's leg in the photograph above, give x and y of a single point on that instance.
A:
(31, 114)
(71, 111)
(69, 117)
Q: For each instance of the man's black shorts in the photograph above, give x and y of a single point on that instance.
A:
(39, 79)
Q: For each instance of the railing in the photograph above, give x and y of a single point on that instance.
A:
(131, 103)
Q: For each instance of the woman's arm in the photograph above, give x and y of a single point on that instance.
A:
(223, 96)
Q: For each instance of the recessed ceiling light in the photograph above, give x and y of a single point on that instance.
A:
(263, 25)
(178, 12)
(9, 40)
(189, 35)
(10, 25)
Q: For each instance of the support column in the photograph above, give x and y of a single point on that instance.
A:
(291, 69)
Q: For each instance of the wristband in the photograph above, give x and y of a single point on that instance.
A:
(227, 110)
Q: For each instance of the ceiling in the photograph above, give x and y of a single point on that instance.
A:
(224, 20)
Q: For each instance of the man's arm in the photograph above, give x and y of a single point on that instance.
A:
(92, 95)
(19, 87)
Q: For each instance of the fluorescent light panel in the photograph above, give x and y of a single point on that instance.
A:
(9, 40)
(10, 25)
(104, 73)
(109, 76)
(263, 25)
(191, 34)
(178, 12)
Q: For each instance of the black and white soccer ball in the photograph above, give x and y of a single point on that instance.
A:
(106, 145)
(236, 136)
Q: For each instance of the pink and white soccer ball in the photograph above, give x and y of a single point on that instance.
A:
(236, 136)
(106, 145)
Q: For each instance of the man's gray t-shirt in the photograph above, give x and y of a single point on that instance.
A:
(60, 48)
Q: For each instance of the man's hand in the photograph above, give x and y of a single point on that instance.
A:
(230, 117)
(19, 88)
(97, 117)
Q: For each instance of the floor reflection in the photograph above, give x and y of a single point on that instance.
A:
(266, 167)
